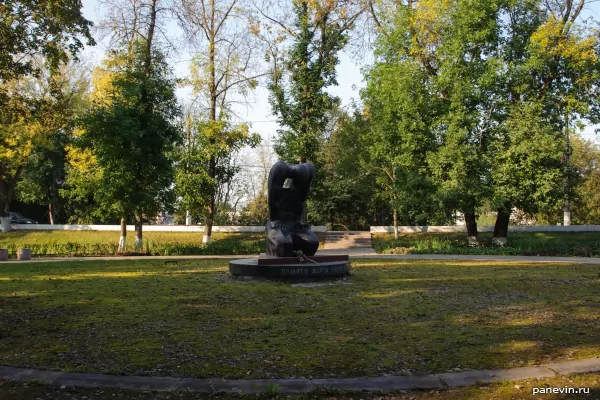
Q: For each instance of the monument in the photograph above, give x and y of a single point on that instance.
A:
(291, 244)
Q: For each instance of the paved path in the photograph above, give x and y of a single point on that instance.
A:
(358, 253)
(384, 383)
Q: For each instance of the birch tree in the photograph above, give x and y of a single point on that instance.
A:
(225, 68)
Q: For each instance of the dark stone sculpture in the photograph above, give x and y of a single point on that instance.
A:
(287, 230)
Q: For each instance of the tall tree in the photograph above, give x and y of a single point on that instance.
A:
(403, 113)
(302, 72)
(34, 35)
(44, 173)
(437, 53)
(207, 142)
(37, 108)
(549, 86)
(136, 159)
(226, 65)
(137, 29)
(346, 193)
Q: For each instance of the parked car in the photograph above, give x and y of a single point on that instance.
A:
(17, 218)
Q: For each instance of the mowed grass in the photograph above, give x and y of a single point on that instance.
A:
(104, 243)
(391, 317)
(577, 244)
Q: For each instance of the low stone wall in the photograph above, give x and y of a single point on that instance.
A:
(462, 228)
(148, 228)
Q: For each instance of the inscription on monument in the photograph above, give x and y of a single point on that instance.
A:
(294, 271)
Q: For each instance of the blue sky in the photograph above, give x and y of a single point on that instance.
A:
(258, 113)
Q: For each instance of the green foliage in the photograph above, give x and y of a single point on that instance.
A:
(30, 28)
(44, 174)
(402, 114)
(586, 192)
(302, 105)
(136, 157)
(522, 243)
(256, 212)
(469, 104)
(37, 111)
(344, 194)
(207, 141)
(529, 180)
(584, 185)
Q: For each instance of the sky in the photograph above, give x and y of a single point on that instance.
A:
(258, 112)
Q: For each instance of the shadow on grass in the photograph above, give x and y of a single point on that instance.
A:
(419, 317)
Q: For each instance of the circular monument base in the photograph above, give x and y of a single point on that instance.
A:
(249, 267)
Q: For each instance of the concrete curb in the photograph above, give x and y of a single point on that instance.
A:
(370, 384)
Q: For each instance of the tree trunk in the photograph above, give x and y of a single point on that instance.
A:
(212, 165)
(395, 223)
(210, 217)
(500, 235)
(138, 244)
(5, 197)
(123, 238)
(6, 192)
(471, 223)
(50, 216)
(567, 213)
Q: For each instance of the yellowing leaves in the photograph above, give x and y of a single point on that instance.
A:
(102, 80)
(552, 39)
(81, 159)
(429, 18)
(17, 141)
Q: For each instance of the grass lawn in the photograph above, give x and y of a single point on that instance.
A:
(103, 243)
(584, 244)
(522, 390)
(391, 317)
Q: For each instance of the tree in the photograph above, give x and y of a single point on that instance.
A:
(34, 36)
(83, 177)
(137, 31)
(584, 185)
(586, 189)
(531, 181)
(44, 173)
(33, 30)
(207, 142)
(301, 75)
(496, 75)
(344, 192)
(37, 108)
(226, 65)
(403, 113)
(136, 159)
(551, 69)
(432, 95)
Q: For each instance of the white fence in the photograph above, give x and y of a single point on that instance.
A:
(462, 228)
(147, 228)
